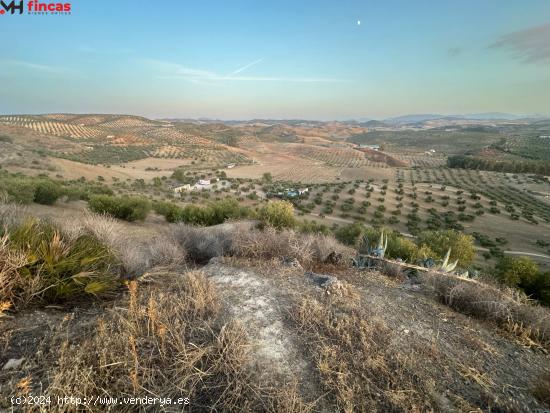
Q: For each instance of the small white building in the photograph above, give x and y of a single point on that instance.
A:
(303, 191)
(182, 188)
(230, 166)
(373, 147)
(204, 182)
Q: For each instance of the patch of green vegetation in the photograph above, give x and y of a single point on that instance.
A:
(524, 273)
(109, 154)
(53, 267)
(128, 208)
(541, 167)
(23, 189)
(213, 213)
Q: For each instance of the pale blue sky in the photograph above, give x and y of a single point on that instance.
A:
(279, 59)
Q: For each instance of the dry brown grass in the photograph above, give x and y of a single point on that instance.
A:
(139, 255)
(307, 249)
(357, 363)
(13, 287)
(484, 301)
(173, 344)
(393, 270)
(136, 255)
(10, 214)
(202, 244)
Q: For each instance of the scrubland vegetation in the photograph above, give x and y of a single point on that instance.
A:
(151, 292)
(428, 246)
(43, 190)
(524, 166)
(168, 335)
(126, 208)
(173, 345)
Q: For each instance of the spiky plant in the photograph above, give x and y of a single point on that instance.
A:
(445, 265)
(382, 246)
(378, 251)
(56, 267)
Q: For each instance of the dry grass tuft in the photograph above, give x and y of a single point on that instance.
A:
(343, 293)
(10, 214)
(356, 362)
(202, 244)
(308, 249)
(13, 286)
(393, 270)
(488, 302)
(136, 255)
(168, 342)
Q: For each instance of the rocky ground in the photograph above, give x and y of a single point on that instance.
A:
(397, 347)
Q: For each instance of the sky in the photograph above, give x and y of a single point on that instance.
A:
(278, 59)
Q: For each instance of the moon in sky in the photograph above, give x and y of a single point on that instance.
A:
(358, 22)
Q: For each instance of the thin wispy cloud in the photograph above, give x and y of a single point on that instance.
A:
(531, 45)
(242, 69)
(174, 70)
(36, 67)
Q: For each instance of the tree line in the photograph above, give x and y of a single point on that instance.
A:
(512, 166)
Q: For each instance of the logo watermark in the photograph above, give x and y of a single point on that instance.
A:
(35, 7)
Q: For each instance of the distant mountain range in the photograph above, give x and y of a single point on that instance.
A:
(472, 116)
(373, 123)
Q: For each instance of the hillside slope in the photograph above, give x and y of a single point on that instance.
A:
(346, 341)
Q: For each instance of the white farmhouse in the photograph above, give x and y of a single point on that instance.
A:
(373, 147)
(182, 188)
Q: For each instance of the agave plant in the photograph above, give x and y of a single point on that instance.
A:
(379, 250)
(445, 265)
(382, 246)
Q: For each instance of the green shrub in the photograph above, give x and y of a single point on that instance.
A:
(179, 175)
(212, 214)
(169, 210)
(43, 190)
(312, 227)
(126, 208)
(398, 246)
(350, 234)
(278, 214)
(516, 272)
(539, 288)
(461, 245)
(47, 192)
(225, 209)
(18, 189)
